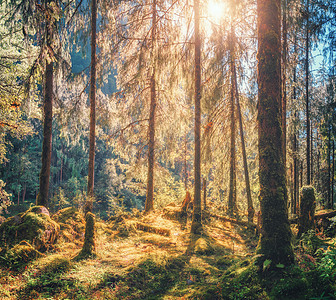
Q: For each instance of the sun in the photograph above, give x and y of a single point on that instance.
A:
(216, 11)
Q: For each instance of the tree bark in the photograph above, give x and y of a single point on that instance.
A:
(332, 175)
(295, 142)
(329, 167)
(196, 224)
(185, 164)
(275, 239)
(307, 210)
(307, 96)
(204, 194)
(24, 192)
(149, 204)
(90, 187)
(42, 197)
(232, 203)
(89, 247)
(283, 81)
(311, 153)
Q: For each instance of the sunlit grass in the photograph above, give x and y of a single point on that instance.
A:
(122, 261)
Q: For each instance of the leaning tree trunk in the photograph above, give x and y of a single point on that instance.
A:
(250, 209)
(196, 224)
(149, 204)
(275, 239)
(42, 197)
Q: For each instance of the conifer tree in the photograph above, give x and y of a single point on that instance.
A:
(275, 240)
(92, 138)
(89, 238)
(196, 225)
(42, 198)
(232, 205)
(149, 204)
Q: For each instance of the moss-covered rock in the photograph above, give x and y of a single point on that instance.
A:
(34, 226)
(71, 222)
(19, 256)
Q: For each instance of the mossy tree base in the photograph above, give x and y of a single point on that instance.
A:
(196, 224)
(307, 210)
(89, 247)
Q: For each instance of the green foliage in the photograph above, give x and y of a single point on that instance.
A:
(290, 288)
(59, 200)
(4, 198)
(310, 242)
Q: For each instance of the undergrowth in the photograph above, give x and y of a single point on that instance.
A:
(144, 265)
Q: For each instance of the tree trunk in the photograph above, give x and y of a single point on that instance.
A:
(196, 225)
(312, 158)
(232, 203)
(250, 208)
(332, 175)
(89, 247)
(301, 174)
(307, 210)
(24, 192)
(295, 142)
(149, 204)
(275, 239)
(329, 167)
(204, 194)
(42, 197)
(307, 96)
(61, 170)
(283, 81)
(92, 100)
(90, 187)
(185, 164)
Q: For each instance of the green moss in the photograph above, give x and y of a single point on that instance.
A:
(72, 224)
(203, 247)
(19, 256)
(66, 215)
(226, 261)
(290, 288)
(34, 226)
(151, 278)
(57, 265)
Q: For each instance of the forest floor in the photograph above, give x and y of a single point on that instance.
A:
(167, 263)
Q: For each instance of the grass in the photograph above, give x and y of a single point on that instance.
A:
(147, 265)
